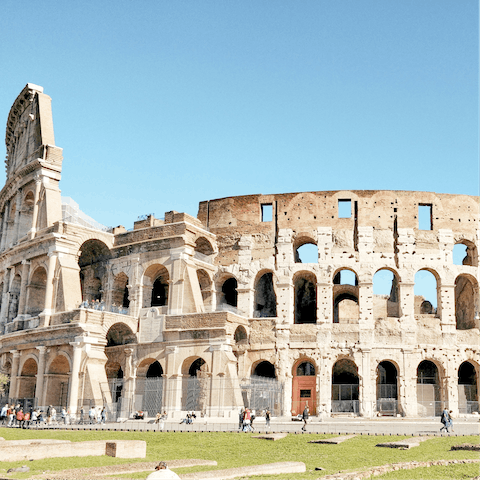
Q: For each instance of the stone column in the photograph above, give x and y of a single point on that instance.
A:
(173, 383)
(40, 376)
(52, 262)
(74, 377)
(129, 381)
(285, 301)
(325, 387)
(366, 320)
(446, 311)
(367, 390)
(245, 300)
(16, 225)
(23, 288)
(407, 312)
(33, 229)
(14, 374)
(4, 227)
(216, 379)
(407, 397)
(5, 297)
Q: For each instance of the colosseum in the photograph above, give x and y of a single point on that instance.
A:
(265, 301)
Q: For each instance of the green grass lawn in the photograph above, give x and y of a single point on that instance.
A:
(238, 449)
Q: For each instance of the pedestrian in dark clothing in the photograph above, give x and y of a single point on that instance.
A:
(305, 418)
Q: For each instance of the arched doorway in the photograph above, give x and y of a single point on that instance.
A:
(428, 390)
(56, 386)
(93, 269)
(345, 387)
(263, 390)
(466, 298)
(36, 292)
(467, 389)
(153, 401)
(194, 385)
(305, 286)
(304, 388)
(115, 381)
(265, 298)
(229, 292)
(27, 383)
(156, 286)
(387, 389)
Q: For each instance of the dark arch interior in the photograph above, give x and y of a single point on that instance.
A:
(240, 335)
(265, 298)
(195, 367)
(305, 369)
(305, 301)
(159, 293)
(467, 374)
(345, 373)
(154, 370)
(264, 369)
(427, 373)
(229, 290)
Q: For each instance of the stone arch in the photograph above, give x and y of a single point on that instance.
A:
(387, 388)
(205, 283)
(429, 395)
(468, 388)
(345, 296)
(114, 372)
(466, 301)
(426, 293)
(120, 296)
(58, 377)
(265, 296)
(304, 391)
(305, 249)
(14, 297)
(470, 252)
(228, 294)
(194, 384)
(305, 297)
(345, 386)
(120, 334)
(36, 291)
(386, 300)
(240, 336)
(93, 259)
(263, 368)
(203, 247)
(27, 380)
(156, 281)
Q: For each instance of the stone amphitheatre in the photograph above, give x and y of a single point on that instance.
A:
(224, 310)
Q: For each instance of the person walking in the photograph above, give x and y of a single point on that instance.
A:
(450, 423)
(267, 418)
(445, 419)
(305, 417)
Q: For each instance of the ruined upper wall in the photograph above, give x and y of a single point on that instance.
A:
(378, 209)
(29, 133)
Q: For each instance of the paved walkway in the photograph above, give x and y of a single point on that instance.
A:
(358, 425)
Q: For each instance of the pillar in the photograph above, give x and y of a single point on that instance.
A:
(407, 395)
(129, 381)
(407, 312)
(5, 297)
(33, 229)
(14, 375)
(4, 227)
(16, 225)
(367, 392)
(173, 382)
(245, 300)
(446, 311)
(285, 301)
(52, 261)
(40, 376)
(74, 377)
(23, 288)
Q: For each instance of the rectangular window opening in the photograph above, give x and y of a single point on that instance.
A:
(267, 212)
(305, 394)
(344, 208)
(425, 220)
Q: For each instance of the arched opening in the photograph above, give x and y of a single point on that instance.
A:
(387, 389)
(205, 283)
(155, 286)
(465, 253)
(345, 297)
(153, 401)
(229, 292)
(14, 297)
(265, 298)
(240, 336)
(345, 386)
(428, 390)
(305, 250)
(26, 216)
(120, 296)
(195, 385)
(56, 383)
(36, 292)
(425, 293)
(305, 285)
(120, 334)
(27, 382)
(263, 390)
(203, 248)
(93, 269)
(114, 373)
(466, 302)
(385, 294)
(467, 389)
(7, 370)
(304, 391)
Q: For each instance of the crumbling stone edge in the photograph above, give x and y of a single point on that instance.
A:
(374, 471)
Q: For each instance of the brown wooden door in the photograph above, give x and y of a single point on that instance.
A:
(304, 392)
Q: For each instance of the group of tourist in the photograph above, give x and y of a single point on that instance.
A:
(100, 305)
(245, 420)
(189, 418)
(447, 421)
(160, 420)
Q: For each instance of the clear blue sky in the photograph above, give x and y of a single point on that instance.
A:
(159, 104)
